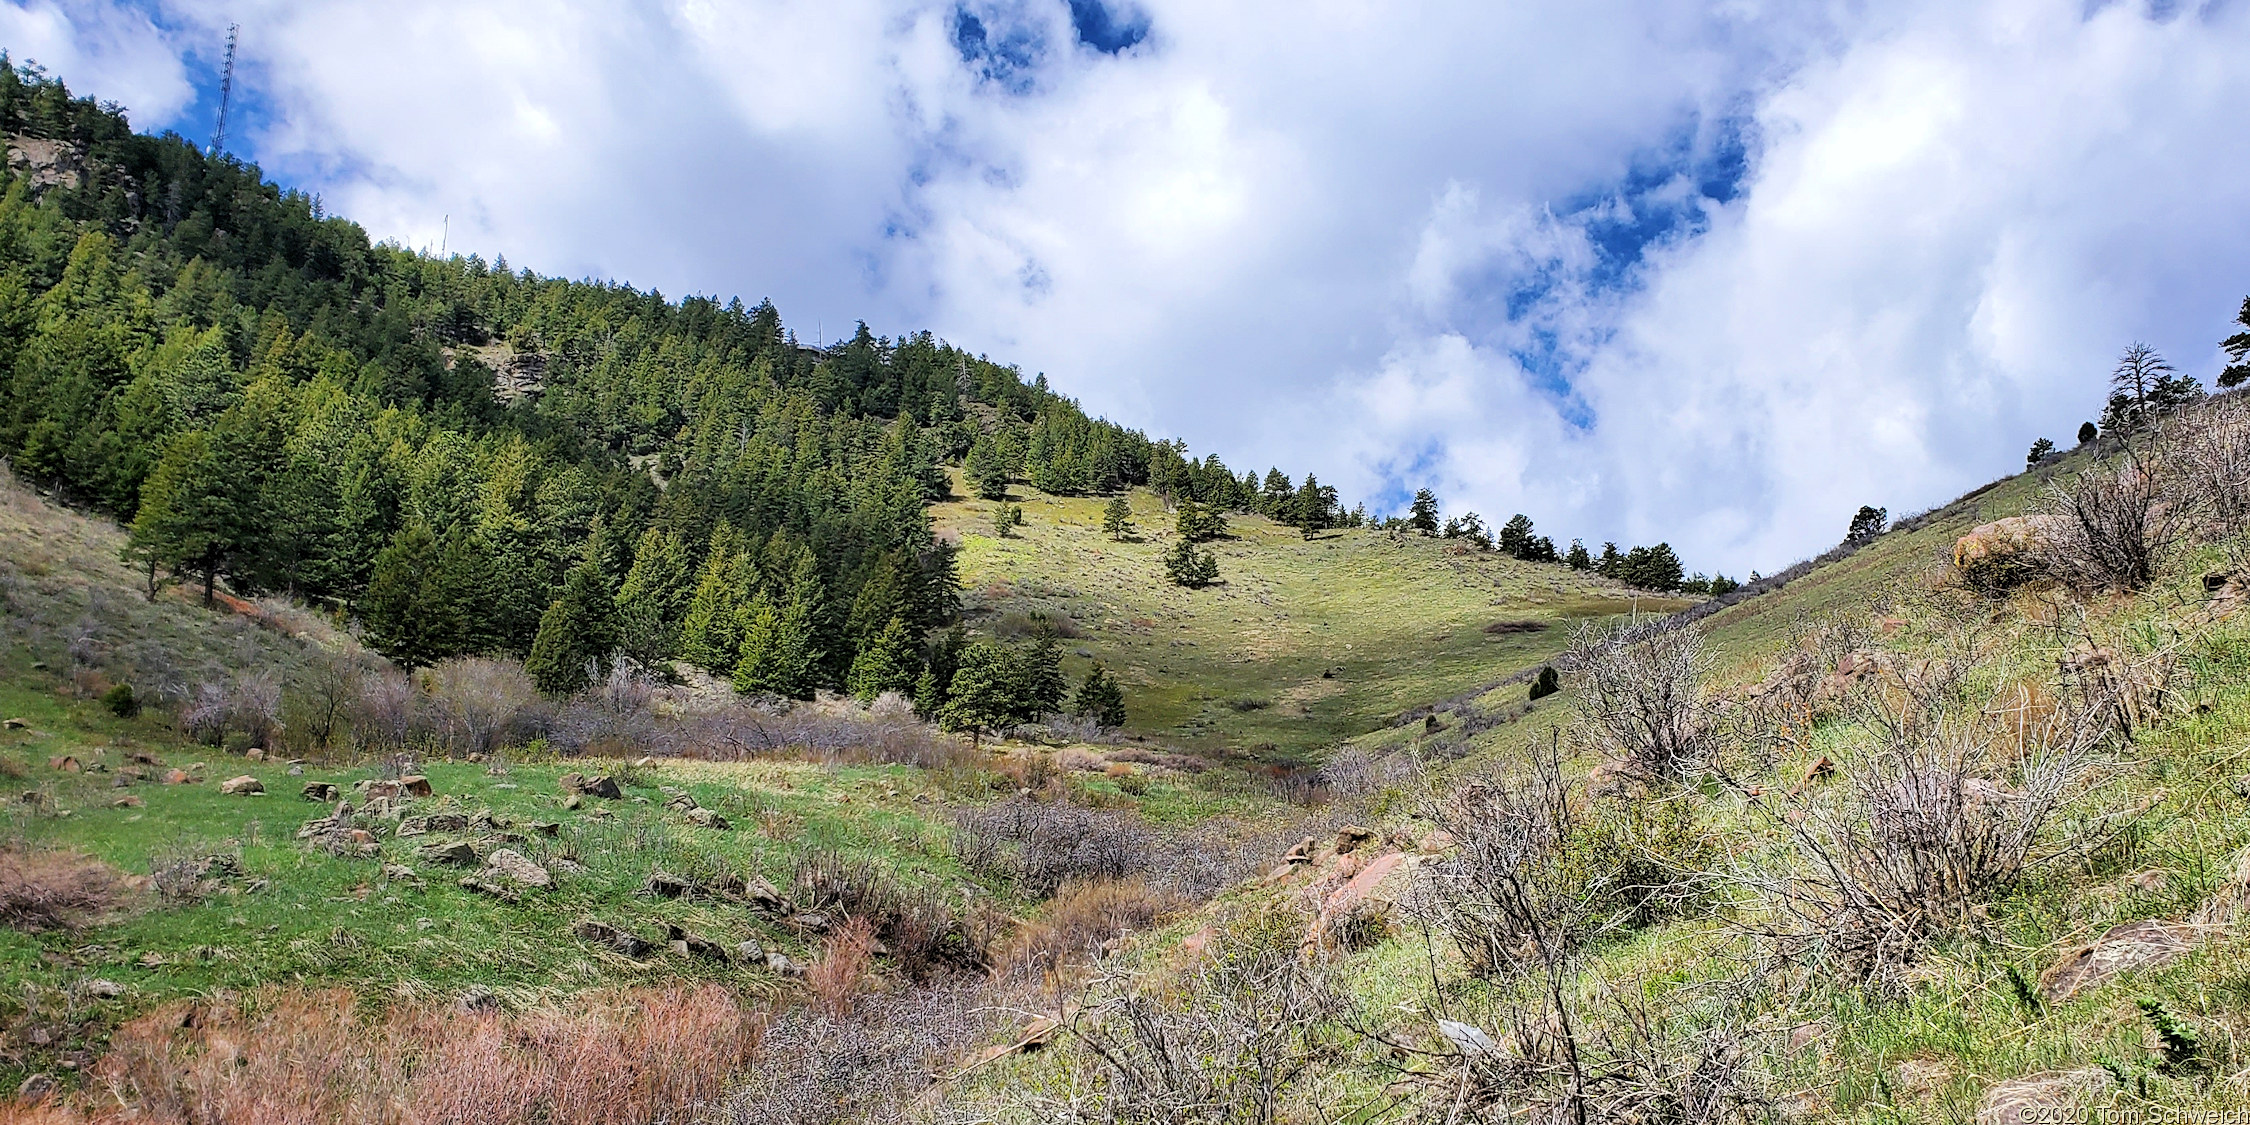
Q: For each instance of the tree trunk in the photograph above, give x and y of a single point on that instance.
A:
(210, 583)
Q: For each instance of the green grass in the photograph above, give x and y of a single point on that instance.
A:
(1302, 644)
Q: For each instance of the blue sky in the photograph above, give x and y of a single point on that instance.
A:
(1716, 273)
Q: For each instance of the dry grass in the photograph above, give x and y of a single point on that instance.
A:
(46, 889)
(1083, 918)
(299, 1056)
(844, 967)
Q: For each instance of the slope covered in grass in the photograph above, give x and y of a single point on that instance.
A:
(1303, 643)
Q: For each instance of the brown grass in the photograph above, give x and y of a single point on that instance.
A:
(43, 889)
(291, 1055)
(843, 967)
(1084, 916)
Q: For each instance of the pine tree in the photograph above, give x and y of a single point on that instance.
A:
(2087, 432)
(1516, 537)
(2237, 347)
(778, 654)
(1578, 558)
(1186, 566)
(1117, 518)
(710, 633)
(576, 634)
(1309, 508)
(1101, 698)
(1039, 682)
(2039, 451)
(987, 469)
(886, 662)
(653, 601)
(1611, 562)
(1422, 514)
(201, 509)
(1198, 522)
(982, 694)
(395, 610)
(1867, 523)
(2143, 387)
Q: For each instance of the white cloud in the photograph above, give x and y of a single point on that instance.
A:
(1332, 235)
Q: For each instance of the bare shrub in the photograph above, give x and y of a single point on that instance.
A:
(925, 935)
(2113, 524)
(736, 729)
(1040, 845)
(1640, 699)
(254, 706)
(1224, 1042)
(2209, 448)
(475, 699)
(382, 712)
(1949, 809)
(203, 715)
(1539, 871)
(1081, 919)
(1674, 1060)
(869, 1063)
(48, 889)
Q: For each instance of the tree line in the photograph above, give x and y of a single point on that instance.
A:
(1656, 568)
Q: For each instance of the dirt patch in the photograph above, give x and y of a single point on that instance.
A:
(1503, 628)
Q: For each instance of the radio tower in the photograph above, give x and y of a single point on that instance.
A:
(226, 92)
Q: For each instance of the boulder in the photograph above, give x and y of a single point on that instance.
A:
(35, 1090)
(400, 873)
(612, 937)
(2040, 1097)
(604, 787)
(127, 802)
(415, 785)
(65, 763)
(546, 828)
(1999, 555)
(255, 754)
(509, 865)
(749, 952)
(664, 884)
(2134, 945)
(679, 799)
(244, 786)
(177, 777)
(459, 853)
(14, 724)
(779, 963)
(708, 819)
(1350, 837)
(321, 791)
(688, 944)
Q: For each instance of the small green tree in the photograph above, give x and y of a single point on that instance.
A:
(1039, 683)
(1003, 521)
(1547, 683)
(778, 654)
(1101, 698)
(404, 613)
(1117, 518)
(1867, 523)
(576, 634)
(1186, 566)
(2087, 432)
(1199, 523)
(1578, 558)
(198, 513)
(1611, 561)
(887, 662)
(710, 630)
(1422, 514)
(2237, 348)
(982, 694)
(987, 469)
(653, 601)
(2039, 451)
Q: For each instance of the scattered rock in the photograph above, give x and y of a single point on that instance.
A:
(1350, 837)
(15, 724)
(573, 802)
(513, 866)
(811, 922)
(384, 790)
(1300, 853)
(478, 999)
(643, 762)
(296, 770)
(36, 1089)
(2134, 945)
(1996, 556)
(459, 853)
(604, 934)
(2039, 1097)
(663, 884)
(244, 786)
(106, 989)
(578, 784)
(1914, 1079)
(680, 799)
(415, 784)
(1436, 842)
(547, 828)
(65, 763)
(779, 962)
(687, 944)
(708, 819)
(400, 873)
(177, 777)
(749, 952)
(321, 791)
(255, 754)
(127, 801)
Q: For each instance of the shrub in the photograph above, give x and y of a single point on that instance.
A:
(46, 889)
(120, 701)
(1080, 920)
(1641, 701)
(2112, 525)
(1040, 845)
(474, 700)
(842, 969)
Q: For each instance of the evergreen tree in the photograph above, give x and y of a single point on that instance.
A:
(1310, 508)
(400, 621)
(887, 662)
(1611, 562)
(1578, 558)
(1039, 683)
(1186, 566)
(1198, 523)
(2237, 347)
(987, 469)
(1005, 517)
(1516, 537)
(1117, 518)
(1422, 514)
(2039, 451)
(1651, 568)
(1721, 585)
(982, 695)
(1101, 698)
(576, 634)
(710, 635)
(653, 601)
(2144, 387)
(1867, 523)
(2087, 432)
(1547, 683)
(778, 651)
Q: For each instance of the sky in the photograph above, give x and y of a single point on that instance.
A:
(1714, 272)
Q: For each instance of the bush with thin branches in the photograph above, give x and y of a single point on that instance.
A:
(2113, 525)
(1641, 701)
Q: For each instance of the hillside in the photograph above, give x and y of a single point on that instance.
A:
(1303, 643)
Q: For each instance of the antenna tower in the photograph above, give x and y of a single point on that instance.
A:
(226, 92)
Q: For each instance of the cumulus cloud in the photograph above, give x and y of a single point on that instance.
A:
(1717, 273)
